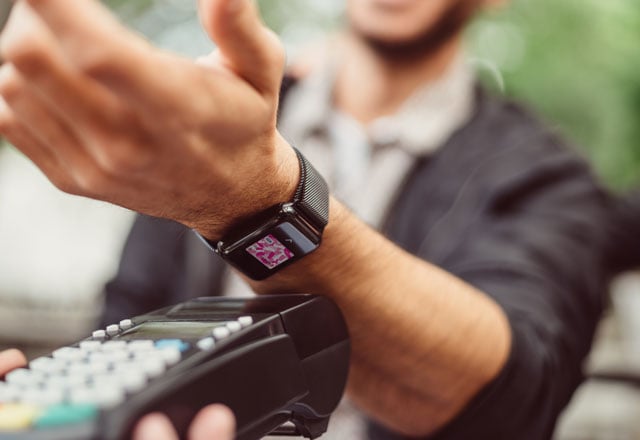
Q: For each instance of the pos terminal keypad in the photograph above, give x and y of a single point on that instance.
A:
(282, 350)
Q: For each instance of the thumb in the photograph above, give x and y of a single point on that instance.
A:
(10, 360)
(215, 422)
(247, 46)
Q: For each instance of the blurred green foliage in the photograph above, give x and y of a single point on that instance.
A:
(575, 61)
(578, 63)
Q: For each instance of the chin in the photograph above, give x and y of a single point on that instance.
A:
(395, 21)
(407, 22)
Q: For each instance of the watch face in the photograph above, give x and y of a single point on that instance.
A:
(272, 248)
(270, 252)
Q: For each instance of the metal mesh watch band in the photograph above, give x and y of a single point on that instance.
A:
(311, 199)
(312, 194)
(282, 234)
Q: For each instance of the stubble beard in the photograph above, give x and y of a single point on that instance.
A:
(449, 26)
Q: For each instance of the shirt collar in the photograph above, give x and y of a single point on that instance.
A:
(423, 123)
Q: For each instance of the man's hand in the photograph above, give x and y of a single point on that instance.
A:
(215, 422)
(107, 116)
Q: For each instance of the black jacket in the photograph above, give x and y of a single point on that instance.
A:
(505, 206)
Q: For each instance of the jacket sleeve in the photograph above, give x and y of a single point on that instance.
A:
(150, 269)
(536, 248)
(623, 248)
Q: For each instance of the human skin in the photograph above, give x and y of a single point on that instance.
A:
(105, 115)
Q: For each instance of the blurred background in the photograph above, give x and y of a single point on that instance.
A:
(577, 62)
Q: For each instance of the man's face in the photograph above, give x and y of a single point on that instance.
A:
(402, 22)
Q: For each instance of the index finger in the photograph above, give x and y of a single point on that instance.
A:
(70, 19)
(95, 44)
(89, 33)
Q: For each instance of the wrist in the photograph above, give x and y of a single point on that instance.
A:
(270, 240)
(321, 272)
(275, 181)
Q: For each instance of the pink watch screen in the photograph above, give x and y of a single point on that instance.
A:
(270, 252)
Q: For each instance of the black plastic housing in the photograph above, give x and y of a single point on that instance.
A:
(290, 365)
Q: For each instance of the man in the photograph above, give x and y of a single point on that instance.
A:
(472, 325)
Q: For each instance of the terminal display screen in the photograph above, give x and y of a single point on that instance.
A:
(172, 329)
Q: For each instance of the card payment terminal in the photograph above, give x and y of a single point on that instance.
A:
(276, 361)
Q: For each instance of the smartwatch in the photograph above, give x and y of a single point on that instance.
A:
(282, 234)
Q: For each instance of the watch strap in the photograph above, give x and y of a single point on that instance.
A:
(282, 234)
(312, 194)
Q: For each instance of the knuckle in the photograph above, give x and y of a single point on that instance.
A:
(65, 184)
(7, 123)
(11, 85)
(90, 182)
(116, 164)
(95, 63)
(123, 159)
(26, 52)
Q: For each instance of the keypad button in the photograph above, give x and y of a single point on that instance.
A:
(17, 416)
(104, 396)
(221, 333)
(24, 377)
(99, 356)
(105, 380)
(206, 344)
(78, 369)
(99, 335)
(66, 414)
(69, 354)
(132, 381)
(234, 326)
(141, 345)
(98, 367)
(90, 345)
(48, 365)
(114, 345)
(108, 396)
(117, 356)
(152, 367)
(113, 329)
(43, 397)
(245, 321)
(171, 356)
(9, 393)
(41, 363)
(172, 343)
(81, 395)
(67, 381)
(126, 324)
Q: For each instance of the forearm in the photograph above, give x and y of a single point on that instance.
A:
(424, 342)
